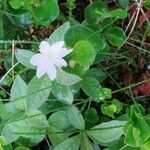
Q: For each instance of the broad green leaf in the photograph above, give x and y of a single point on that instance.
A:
(16, 4)
(72, 143)
(24, 57)
(37, 92)
(57, 135)
(58, 34)
(1, 27)
(47, 11)
(91, 15)
(89, 85)
(107, 132)
(67, 79)
(21, 125)
(59, 119)
(73, 36)
(116, 36)
(37, 119)
(84, 53)
(147, 4)
(18, 90)
(76, 117)
(62, 93)
(123, 3)
(86, 144)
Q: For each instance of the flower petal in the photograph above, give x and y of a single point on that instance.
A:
(44, 47)
(51, 72)
(36, 59)
(59, 62)
(55, 48)
(64, 52)
(41, 70)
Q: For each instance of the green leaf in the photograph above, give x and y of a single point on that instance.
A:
(83, 49)
(37, 119)
(107, 132)
(73, 36)
(24, 57)
(21, 148)
(16, 4)
(62, 93)
(123, 3)
(1, 27)
(118, 13)
(116, 36)
(91, 15)
(89, 85)
(67, 79)
(56, 135)
(61, 117)
(72, 143)
(19, 89)
(58, 34)
(132, 136)
(143, 127)
(91, 115)
(20, 125)
(86, 144)
(108, 110)
(37, 92)
(76, 117)
(147, 4)
(100, 94)
(47, 11)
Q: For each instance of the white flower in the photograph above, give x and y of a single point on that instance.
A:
(50, 58)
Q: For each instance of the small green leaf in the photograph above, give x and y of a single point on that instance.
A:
(147, 4)
(89, 85)
(108, 110)
(58, 34)
(91, 15)
(37, 92)
(61, 117)
(21, 148)
(86, 144)
(47, 11)
(19, 89)
(67, 79)
(56, 135)
(24, 57)
(62, 93)
(123, 3)
(72, 143)
(16, 4)
(132, 136)
(91, 115)
(118, 13)
(83, 49)
(116, 36)
(107, 132)
(76, 117)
